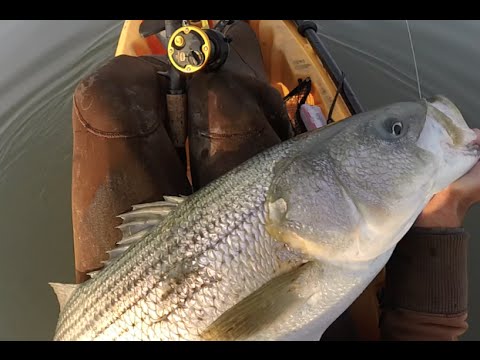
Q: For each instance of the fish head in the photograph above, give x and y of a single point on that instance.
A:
(354, 189)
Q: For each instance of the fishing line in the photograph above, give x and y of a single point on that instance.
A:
(414, 60)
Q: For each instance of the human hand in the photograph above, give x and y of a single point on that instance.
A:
(449, 207)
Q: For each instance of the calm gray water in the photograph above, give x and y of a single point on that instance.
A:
(45, 60)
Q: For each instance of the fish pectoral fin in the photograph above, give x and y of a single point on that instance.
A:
(137, 223)
(63, 292)
(258, 309)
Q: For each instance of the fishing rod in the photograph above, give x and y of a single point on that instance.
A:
(192, 46)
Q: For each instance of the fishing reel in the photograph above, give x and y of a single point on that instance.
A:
(191, 48)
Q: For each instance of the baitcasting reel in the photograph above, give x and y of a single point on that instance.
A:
(191, 49)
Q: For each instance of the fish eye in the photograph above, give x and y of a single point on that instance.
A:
(397, 128)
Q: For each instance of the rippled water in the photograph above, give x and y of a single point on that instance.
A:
(40, 70)
(45, 60)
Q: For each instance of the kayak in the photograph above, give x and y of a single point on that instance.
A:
(290, 52)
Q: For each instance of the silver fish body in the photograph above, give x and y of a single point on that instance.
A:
(279, 247)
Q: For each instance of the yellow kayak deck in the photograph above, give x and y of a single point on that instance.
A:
(287, 57)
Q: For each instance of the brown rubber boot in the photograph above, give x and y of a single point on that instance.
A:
(122, 154)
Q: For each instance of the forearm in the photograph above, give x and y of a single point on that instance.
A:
(426, 286)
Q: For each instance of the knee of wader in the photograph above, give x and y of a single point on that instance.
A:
(121, 99)
(230, 104)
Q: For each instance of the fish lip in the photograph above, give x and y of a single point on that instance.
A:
(436, 98)
(473, 148)
(445, 106)
(441, 99)
(453, 122)
(476, 141)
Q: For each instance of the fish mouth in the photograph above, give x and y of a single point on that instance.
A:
(474, 145)
(446, 106)
(454, 147)
(445, 117)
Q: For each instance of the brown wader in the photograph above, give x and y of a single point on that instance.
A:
(122, 154)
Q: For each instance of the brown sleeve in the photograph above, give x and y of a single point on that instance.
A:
(426, 286)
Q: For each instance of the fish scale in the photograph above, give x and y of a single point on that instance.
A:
(125, 273)
(279, 247)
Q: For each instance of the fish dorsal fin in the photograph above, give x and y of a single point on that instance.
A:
(138, 222)
(63, 292)
(93, 273)
(258, 309)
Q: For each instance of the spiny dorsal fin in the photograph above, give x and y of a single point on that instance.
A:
(93, 273)
(168, 200)
(138, 222)
(63, 292)
(258, 309)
